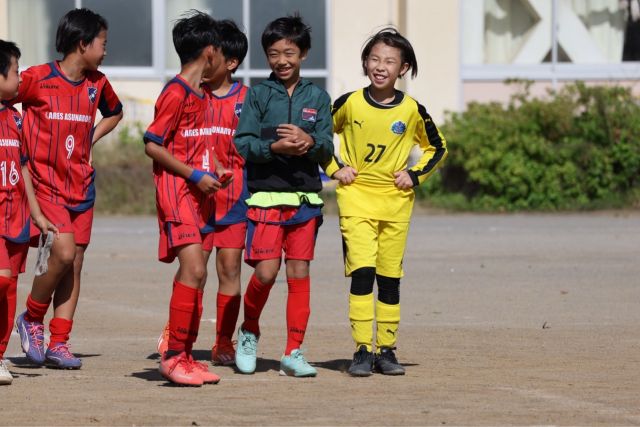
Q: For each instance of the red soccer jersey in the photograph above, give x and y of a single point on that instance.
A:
(59, 116)
(14, 205)
(230, 205)
(183, 124)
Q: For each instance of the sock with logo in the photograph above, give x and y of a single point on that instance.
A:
(7, 310)
(60, 330)
(298, 311)
(361, 318)
(254, 300)
(183, 309)
(195, 323)
(36, 310)
(387, 311)
(228, 308)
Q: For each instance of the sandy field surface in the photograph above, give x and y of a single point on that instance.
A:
(506, 320)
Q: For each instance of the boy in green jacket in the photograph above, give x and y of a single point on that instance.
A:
(284, 133)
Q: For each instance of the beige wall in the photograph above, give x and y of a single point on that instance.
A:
(4, 17)
(430, 25)
(433, 29)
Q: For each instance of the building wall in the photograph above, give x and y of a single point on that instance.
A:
(430, 25)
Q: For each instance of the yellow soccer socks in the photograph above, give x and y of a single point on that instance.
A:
(387, 321)
(361, 317)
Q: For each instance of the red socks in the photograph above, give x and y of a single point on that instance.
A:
(8, 287)
(254, 300)
(298, 311)
(36, 310)
(60, 329)
(228, 308)
(184, 317)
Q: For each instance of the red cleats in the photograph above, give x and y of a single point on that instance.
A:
(202, 369)
(223, 353)
(163, 341)
(179, 369)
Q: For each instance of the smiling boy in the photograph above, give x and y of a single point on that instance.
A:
(284, 133)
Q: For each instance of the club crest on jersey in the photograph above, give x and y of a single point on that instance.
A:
(398, 127)
(93, 91)
(238, 109)
(309, 114)
(18, 121)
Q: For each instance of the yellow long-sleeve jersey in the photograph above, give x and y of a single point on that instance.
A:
(376, 140)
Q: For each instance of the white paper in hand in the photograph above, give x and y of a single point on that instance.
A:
(44, 249)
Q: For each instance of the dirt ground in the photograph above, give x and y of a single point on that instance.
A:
(506, 320)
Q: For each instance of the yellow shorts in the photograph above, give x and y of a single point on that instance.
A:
(373, 243)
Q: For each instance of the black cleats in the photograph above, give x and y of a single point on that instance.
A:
(362, 364)
(386, 362)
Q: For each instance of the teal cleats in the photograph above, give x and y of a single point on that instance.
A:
(246, 352)
(295, 365)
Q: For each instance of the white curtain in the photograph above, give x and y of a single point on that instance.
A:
(506, 25)
(30, 28)
(510, 23)
(175, 8)
(605, 20)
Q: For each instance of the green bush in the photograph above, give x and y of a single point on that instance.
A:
(124, 178)
(576, 149)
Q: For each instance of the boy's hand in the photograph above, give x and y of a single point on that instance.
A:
(295, 134)
(287, 146)
(44, 225)
(346, 175)
(208, 184)
(403, 181)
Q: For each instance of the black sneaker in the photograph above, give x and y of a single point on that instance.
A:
(362, 363)
(386, 362)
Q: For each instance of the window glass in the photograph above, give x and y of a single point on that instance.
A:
(219, 9)
(129, 37)
(313, 13)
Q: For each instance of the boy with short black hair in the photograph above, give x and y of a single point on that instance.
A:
(180, 142)
(60, 101)
(16, 200)
(284, 134)
(227, 96)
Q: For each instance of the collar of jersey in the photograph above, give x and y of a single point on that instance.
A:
(57, 71)
(178, 79)
(235, 88)
(399, 96)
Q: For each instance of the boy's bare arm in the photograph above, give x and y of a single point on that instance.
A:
(105, 125)
(205, 182)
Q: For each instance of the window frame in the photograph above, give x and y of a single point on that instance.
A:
(159, 70)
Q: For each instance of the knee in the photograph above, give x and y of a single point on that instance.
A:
(229, 270)
(266, 277)
(388, 289)
(362, 280)
(197, 273)
(65, 255)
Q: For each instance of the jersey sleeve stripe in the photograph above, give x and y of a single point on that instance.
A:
(148, 136)
(340, 102)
